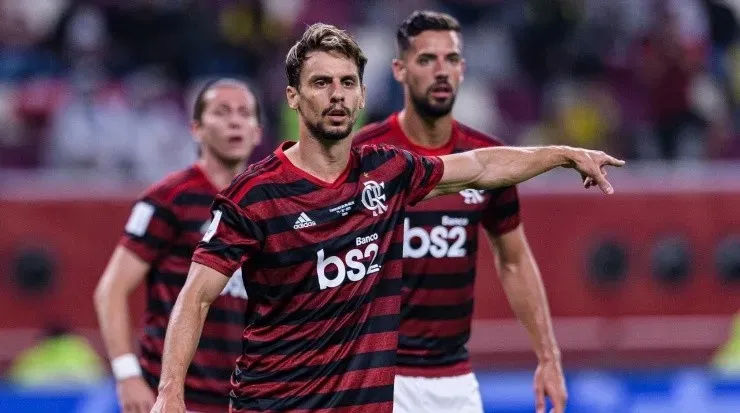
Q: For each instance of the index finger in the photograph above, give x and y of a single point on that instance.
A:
(610, 160)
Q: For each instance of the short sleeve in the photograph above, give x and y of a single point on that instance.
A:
(230, 241)
(150, 230)
(424, 173)
(502, 212)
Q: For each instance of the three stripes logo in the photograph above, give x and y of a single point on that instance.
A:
(303, 221)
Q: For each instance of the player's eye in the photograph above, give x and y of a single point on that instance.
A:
(349, 83)
(320, 83)
(424, 60)
(454, 59)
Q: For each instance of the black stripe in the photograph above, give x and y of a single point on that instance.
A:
(220, 248)
(221, 344)
(378, 324)
(505, 210)
(190, 199)
(438, 312)
(304, 253)
(364, 361)
(345, 398)
(195, 370)
(238, 221)
(192, 225)
(439, 354)
(215, 314)
(435, 344)
(150, 241)
(162, 212)
(167, 278)
(184, 251)
(324, 215)
(310, 284)
(439, 282)
(387, 287)
(204, 397)
(434, 218)
(270, 191)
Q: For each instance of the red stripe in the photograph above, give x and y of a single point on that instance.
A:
(351, 380)
(385, 407)
(444, 297)
(434, 328)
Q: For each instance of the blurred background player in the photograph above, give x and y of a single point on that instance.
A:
(441, 238)
(318, 229)
(160, 236)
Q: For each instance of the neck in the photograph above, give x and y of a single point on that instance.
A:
(426, 132)
(219, 173)
(324, 159)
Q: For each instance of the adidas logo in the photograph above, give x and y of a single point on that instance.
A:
(303, 221)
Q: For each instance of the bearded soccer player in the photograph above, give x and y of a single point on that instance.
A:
(318, 229)
(164, 228)
(441, 238)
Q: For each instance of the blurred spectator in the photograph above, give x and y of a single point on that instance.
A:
(61, 358)
(99, 86)
(727, 358)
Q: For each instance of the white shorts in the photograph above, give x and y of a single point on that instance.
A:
(458, 394)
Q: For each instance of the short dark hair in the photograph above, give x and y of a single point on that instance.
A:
(199, 106)
(421, 21)
(325, 38)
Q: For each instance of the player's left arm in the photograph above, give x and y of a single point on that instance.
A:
(494, 167)
(522, 283)
(202, 288)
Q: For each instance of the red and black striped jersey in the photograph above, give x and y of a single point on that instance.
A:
(164, 228)
(440, 250)
(322, 264)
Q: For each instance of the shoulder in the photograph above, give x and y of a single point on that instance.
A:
(473, 138)
(372, 133)
(254, 176)
(167, 189)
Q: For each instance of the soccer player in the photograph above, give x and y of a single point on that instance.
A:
(164, 228)
(317, 228)
(440, 246)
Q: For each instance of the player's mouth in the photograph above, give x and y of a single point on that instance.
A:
(337, 115)
(235, 139)
(441, 91)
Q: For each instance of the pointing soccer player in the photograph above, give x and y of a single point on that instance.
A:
(317, 228)
(158, 241)
(440, 246)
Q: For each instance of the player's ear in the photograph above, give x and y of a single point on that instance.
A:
(399, 70)
(292, 94)
(362, 96)
(195, 128)
(462, 70)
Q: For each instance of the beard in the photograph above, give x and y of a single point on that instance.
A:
(319, 130)
(424, 106)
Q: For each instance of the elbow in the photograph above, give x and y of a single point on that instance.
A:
(101, 295)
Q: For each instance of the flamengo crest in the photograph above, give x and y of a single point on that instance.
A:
(373, 197)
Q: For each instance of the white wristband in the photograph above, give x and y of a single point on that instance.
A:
(125, 366)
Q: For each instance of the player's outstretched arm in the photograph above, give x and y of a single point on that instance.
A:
(183, 333)
(489, 168)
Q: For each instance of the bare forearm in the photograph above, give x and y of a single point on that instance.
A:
(506, 166)
(183, 334)
(115, 322)
(526, 294)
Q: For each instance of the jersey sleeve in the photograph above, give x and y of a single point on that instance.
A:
(502, 212)
(423, 175)
(151, 228)
(231, 240)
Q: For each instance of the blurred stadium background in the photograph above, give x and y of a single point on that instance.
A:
(644, 286)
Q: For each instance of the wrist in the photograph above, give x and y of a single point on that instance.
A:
(171, 389)
(125, 367)
(563, 155)
(550, 356)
